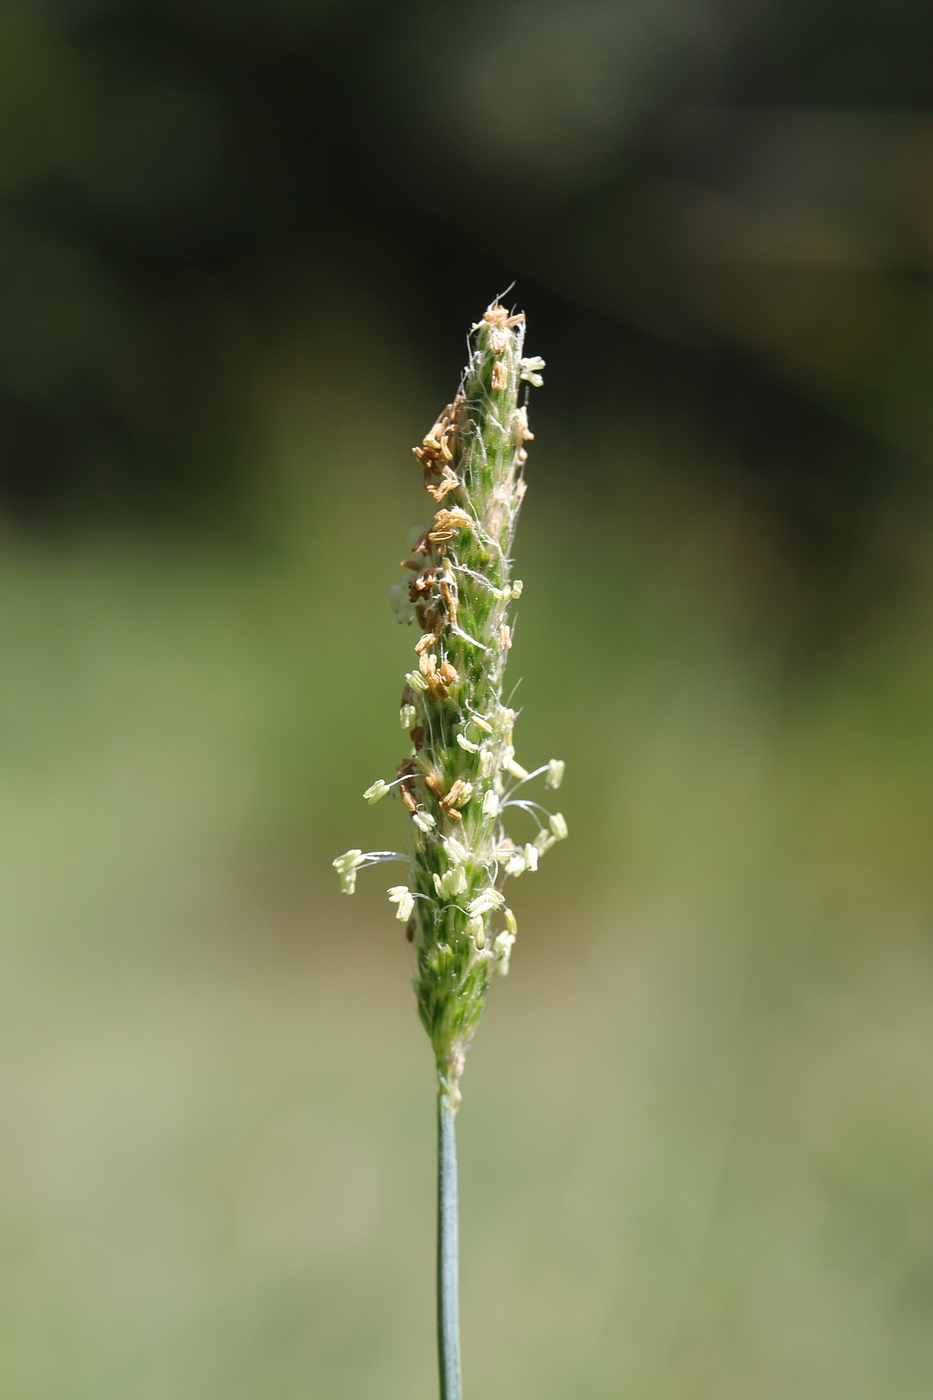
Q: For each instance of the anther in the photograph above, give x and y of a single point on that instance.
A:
(476, 929)
(555, 773)
(401, 896)
(346, 867)
(378, 789)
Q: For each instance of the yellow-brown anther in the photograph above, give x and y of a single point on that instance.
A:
(522, 415)
(496, 315)
(505, 636)
(432, 782)
(434, 678)
(410, 564)
(446, 525)
(500, 376)
(432, 439)
(455, 519)
(436, 450)
(406, 770)
(433, 625)
(447, 674)
(433, 456)
(459, 795)
(422, 586)
(450, 600)
(449, 482)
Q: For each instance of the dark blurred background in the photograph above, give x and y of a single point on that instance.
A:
(240, 247)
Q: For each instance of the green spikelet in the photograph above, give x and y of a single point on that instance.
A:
(462, 773)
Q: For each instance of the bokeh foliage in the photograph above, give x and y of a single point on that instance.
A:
(240, 246)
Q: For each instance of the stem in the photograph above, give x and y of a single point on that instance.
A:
(448, 1301)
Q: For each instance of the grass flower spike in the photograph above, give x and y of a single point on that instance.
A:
(461, 777)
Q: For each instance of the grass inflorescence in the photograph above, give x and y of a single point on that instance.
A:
(462, 775)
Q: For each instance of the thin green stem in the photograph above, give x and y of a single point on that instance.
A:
(448, 1287)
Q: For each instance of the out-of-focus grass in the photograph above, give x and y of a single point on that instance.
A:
(696, 1142)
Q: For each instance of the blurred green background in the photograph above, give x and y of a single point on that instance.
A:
(240, 245)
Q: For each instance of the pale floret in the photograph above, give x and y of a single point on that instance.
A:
(502, 946)
(378, 789)
(531, 370)
(402, 897)
(504, 722)
(346, 867)
(485, 901)
(476, 929)
(451, 883)
(555, 773)
(457, 853)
